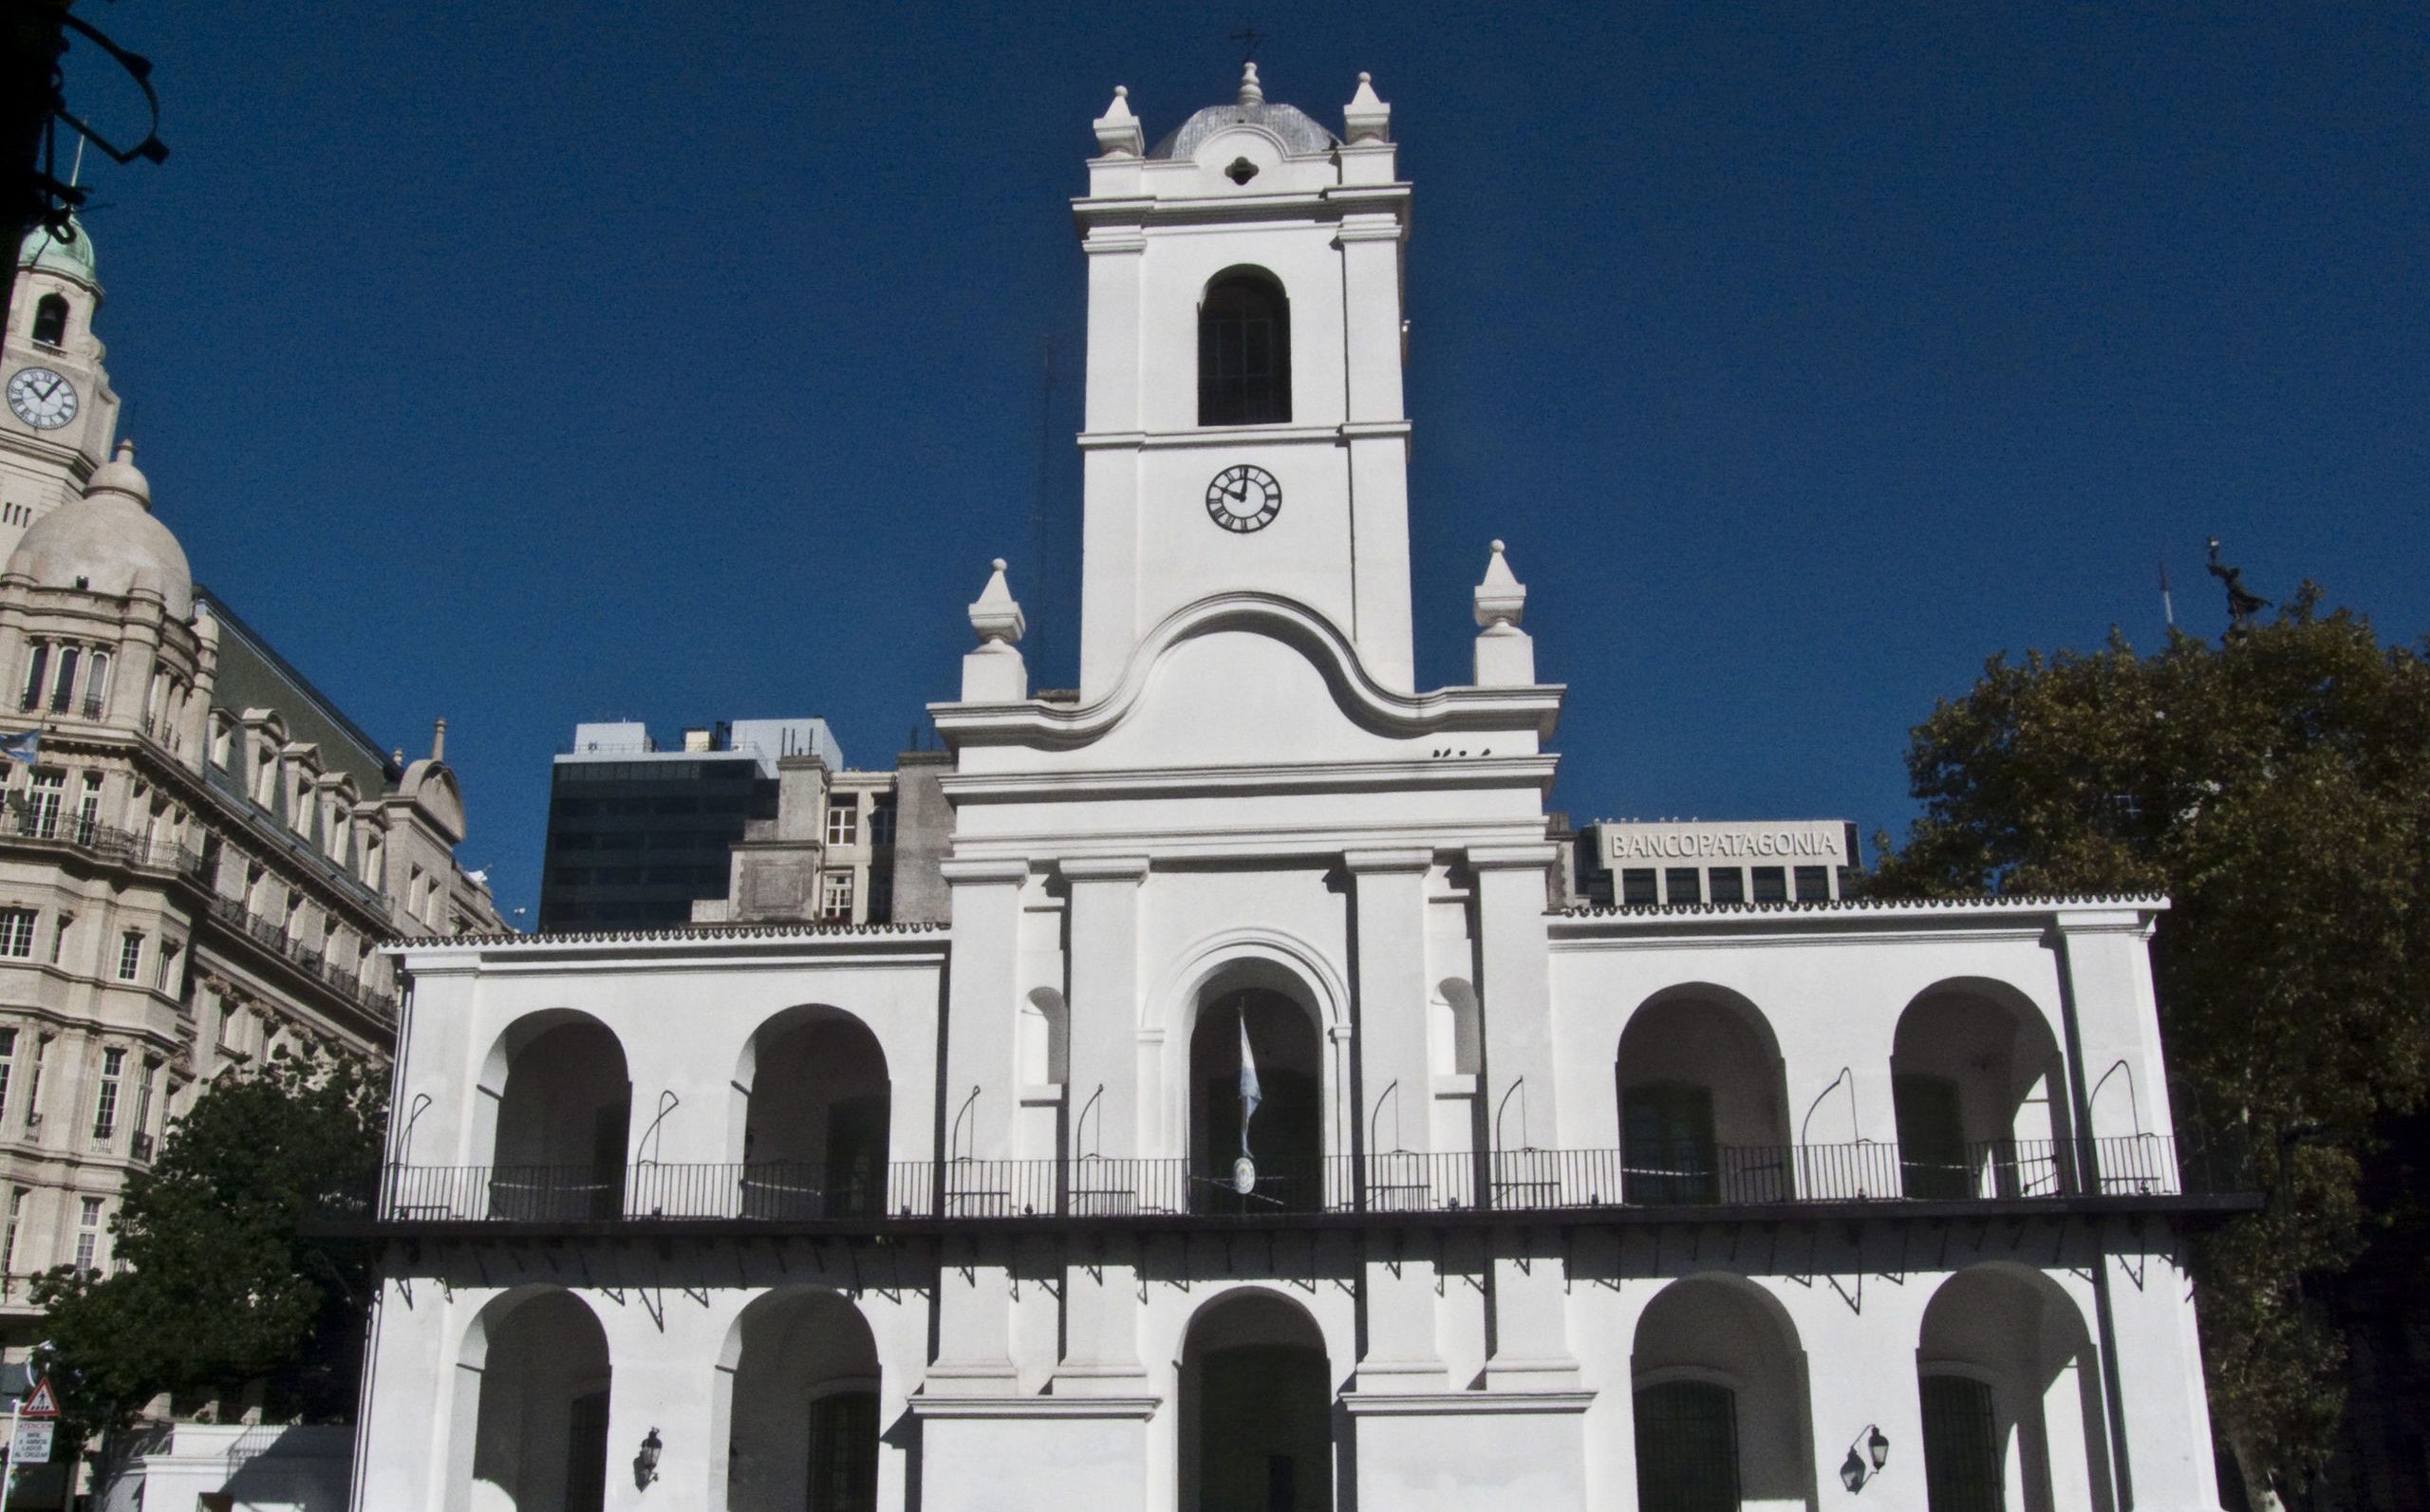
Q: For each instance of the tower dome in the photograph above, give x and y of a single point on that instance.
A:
(45, 251)
(108, 542)
(1300, 132)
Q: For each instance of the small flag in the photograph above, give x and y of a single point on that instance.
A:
(25, 746)
(1245, 1169)
(1250, 1095)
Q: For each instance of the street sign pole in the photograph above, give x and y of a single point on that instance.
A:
(9, 1471)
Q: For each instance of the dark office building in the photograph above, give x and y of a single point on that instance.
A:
(637, 834)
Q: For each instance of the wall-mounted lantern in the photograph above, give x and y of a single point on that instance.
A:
(1866, 1457)
(645, 1462)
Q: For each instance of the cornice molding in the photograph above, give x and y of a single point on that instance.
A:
(1417, 773)
(1058, 726)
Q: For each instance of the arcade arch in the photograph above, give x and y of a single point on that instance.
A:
(1720, 1401)
(1978, 1086)
(1256, 1418)
(797, 1383)
(558, 1101)
(1703, 1102)
(816, 1113)
(2011, 1401)
(538, 1435)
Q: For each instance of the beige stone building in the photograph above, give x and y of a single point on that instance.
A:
(200, 853)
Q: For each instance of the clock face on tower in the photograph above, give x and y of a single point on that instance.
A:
(1243, 498)
(42, 399)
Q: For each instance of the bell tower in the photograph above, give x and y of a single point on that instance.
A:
(1244, 430)
(60, 413)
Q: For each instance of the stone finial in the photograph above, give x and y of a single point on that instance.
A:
(1501, 599)
(1366, 118)
(1118, 133)
(1506, 656)
(438, 742)
(995, 673)
(1252, 93)
(997, 616)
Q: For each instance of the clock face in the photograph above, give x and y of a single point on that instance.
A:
(42, 399)
(1243, 498)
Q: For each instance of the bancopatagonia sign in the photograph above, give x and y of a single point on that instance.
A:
(1813, 842)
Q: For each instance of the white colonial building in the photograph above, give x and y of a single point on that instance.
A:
(1539, 1205)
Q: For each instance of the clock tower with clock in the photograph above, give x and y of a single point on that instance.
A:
(1245, 429)
(59, 414)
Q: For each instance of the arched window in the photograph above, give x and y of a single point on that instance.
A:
(1245, 352)
(1266, 1156)
(50, 320)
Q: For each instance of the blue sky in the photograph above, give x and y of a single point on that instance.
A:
(536, 364)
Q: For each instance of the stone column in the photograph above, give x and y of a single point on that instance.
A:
(980, 1093)
(2162, 1416)
(1389, 1012)
(1100, 1283)
(1531, 1335)
(662, 1377)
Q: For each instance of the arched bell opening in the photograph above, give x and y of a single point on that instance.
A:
(800, 1380)
(1719, 1397)
(2011, 1399)
(1979, 1089)
(815, 1125)
(1256, 1412)
(564, 1113)
(1245, 351)
(539, 1435)
(1257, 1105)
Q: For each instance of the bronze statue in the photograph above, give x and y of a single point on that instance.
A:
(2243, 604)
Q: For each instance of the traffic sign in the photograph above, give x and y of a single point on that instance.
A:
(40, 1403)
(32, 1445)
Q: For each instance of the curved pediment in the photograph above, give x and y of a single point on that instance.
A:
(1247, 676)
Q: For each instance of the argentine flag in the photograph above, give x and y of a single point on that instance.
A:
(25, 746)
(1245, 1169)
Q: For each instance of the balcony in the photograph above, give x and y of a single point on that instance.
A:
(53, 826)
(1859, 1181)
(273, 937)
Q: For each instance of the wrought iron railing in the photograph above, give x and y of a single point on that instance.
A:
(866, 1192)
(25, 820)
(273, 937)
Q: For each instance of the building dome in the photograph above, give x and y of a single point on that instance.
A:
(1299, 130)
(108, 542)
(45, 252)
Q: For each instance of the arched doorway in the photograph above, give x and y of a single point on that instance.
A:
(540, 1433)
(2011, 1402)
(1265, 1154)
(803, 1407)
(1704, 1106)
(1719, 1399)
(1977, 1084)
(563, 1114)
(1255, 1409)
(814, 1134)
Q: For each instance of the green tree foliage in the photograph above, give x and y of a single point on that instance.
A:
(2277, 788)
(220, 1290)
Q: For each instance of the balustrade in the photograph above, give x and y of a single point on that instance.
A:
(1549, 1181)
